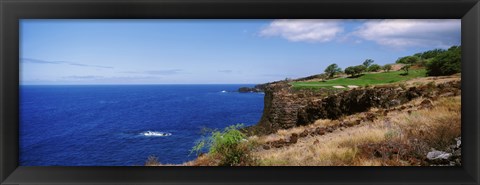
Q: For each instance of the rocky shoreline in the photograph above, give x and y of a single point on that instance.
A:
(346, 127)
(286, 108)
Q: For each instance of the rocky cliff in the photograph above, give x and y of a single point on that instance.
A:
(285, 107)
(282, 104)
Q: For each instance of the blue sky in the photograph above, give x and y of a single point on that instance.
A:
(215, 51)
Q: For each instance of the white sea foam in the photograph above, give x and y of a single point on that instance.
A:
(224, 91)
(155, 134)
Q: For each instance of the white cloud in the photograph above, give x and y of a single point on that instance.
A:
(401, 33)
(306, 30)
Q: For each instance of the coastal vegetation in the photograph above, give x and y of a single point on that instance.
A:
(436, 62)
(445, 63)
(387, 67)
(399, 138)
(227, 148)
(403, 114)
(362, 80)
(331, 70)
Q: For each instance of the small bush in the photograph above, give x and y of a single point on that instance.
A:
(355, 70)
(374, 68)
(406, 68)
(387, 67)
(408, 60)
(391, 134)
(229, 146)
(446, 63)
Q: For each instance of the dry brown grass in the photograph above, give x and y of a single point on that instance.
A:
(438, 126)
(152, 161)
(414, 133)
(335, 149)
(203, 160)
(435, 80)
(285, 133)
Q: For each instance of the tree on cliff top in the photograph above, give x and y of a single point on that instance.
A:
(408, 60)
(368, 62)
(374, 68)
(355, 70)
(387, 67)
(332, 69)
(406, 68)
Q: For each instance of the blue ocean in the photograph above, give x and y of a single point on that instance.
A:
(121, 125)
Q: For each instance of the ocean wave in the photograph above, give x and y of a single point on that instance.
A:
(155, 134)
(107, 102)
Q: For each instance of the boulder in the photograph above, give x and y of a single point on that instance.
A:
(304, 133)
(294, 138)
(459, 142)
(438, 155)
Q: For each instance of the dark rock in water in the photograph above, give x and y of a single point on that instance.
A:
(248, 89)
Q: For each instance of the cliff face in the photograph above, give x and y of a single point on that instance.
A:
(282, 105)
(286, 108)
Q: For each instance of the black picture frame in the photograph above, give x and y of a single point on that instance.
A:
(13, 10)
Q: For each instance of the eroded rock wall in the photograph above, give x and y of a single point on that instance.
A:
(285, 107)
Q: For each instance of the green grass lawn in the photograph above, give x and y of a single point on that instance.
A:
(366, 79)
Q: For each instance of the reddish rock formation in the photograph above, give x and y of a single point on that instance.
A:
(285, 107)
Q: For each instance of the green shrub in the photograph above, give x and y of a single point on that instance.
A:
(355, 70)
(332, 69)
(406, 68)
(350, 71)
(360, 69)
(408, 60)
(430, 54)
(446, 63)
(387, 67)
(368, 62)
(374, 68)
(229, 146)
